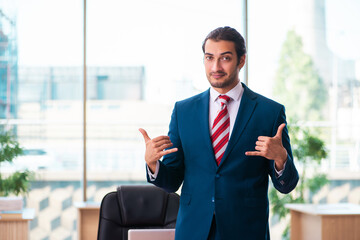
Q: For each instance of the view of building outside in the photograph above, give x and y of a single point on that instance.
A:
(8, 64)
(42, 105)
(166, 42)
(142, 57)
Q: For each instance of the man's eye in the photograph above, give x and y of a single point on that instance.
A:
(225, 58)
(208, 58)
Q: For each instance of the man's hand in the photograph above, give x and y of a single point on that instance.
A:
(155, 149)
(271, 148)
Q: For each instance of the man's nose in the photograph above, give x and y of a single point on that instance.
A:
(216, 66)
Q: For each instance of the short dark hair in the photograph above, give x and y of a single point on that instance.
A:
(228, 34)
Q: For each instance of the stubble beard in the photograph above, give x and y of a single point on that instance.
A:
(229, 81)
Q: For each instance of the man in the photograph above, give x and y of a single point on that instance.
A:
(226, 142)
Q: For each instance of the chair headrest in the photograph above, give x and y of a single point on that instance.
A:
(142, 205)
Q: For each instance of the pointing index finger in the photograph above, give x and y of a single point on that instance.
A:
(253, 153)
(159, 138)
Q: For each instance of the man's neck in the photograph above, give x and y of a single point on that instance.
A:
(223, 91)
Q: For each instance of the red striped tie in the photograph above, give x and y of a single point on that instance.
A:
(221, 129)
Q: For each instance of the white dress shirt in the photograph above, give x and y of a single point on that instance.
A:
(235, 95)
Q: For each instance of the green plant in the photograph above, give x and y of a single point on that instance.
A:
(18, 182)
(298, 83)
(308, 152)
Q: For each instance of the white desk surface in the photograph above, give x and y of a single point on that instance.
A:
(87, 205)
(27, 214)
(326, 209)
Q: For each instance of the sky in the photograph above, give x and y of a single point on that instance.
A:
(55, 27)
(166, 36)
(343, 29)
(50, 31)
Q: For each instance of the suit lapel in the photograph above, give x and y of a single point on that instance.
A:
(246, 109)
(204, 123)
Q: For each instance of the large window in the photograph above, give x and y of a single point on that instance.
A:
(303, 54)
(144, 55)
(41, 102)
(141, 57)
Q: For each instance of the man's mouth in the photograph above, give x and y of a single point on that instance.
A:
(217, 75)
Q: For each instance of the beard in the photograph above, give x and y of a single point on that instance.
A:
(231, 80)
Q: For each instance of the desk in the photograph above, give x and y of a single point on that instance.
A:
(324, 221)
(88, 220)
(17, 228)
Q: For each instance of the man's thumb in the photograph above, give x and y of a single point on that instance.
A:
(280, 129)
(145, 135)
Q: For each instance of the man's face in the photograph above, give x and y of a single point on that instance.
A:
(221, 66)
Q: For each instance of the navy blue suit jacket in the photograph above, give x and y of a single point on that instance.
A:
(236, 190)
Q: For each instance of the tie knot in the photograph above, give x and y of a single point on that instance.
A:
(224, 99)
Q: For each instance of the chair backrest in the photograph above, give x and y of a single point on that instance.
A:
(136, 207)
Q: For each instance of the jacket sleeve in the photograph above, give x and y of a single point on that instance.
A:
(171, 169)
(289, 178)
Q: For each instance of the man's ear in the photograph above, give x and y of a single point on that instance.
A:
(242, 61)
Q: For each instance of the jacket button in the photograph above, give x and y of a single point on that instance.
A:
(212, 199)
(217, 175)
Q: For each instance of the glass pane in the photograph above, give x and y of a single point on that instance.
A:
(41, 104)
(142, 57)
(310, 63)
(305, 55)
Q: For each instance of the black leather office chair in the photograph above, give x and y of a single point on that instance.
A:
(136, 207)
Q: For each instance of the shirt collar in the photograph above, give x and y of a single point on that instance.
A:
(235, 93)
